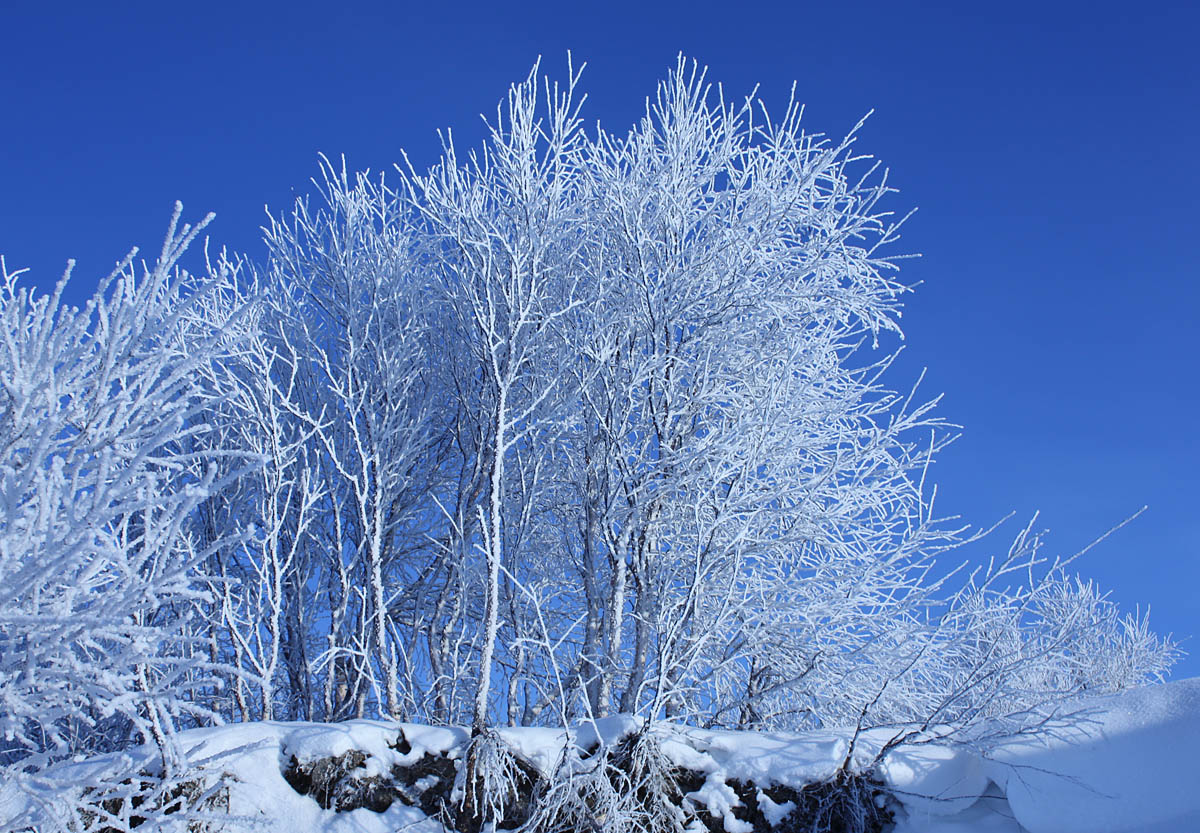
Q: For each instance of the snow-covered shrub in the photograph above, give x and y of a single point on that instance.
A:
(1007, 652)
(191, 804)
(98, 483)
(494, 788)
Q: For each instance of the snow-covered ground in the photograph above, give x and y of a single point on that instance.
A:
(1125, 765)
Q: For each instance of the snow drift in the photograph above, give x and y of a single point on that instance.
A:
(1119, 764)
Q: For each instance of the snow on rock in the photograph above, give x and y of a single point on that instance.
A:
(720, 799)
(319, 740)
(435, 740)
(771, 811)
(259, 796)
(542, 748)
(762, 758)
(606, 731)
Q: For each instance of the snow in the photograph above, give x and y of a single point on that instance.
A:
(772, 811)
(763, 758)
(981, 817)
(607, 730)
(540, 747)
(1120, 764)
(935, 780)
(1117, 764)
(1127, 763)
(720, 799)
(434, 740)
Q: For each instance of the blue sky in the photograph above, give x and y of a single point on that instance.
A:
(1051, 149)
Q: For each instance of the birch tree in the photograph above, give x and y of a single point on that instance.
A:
(503, 242)
(584, 422)
(361, 328)
(734, 271)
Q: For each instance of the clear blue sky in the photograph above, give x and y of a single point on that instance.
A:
(1051, 149)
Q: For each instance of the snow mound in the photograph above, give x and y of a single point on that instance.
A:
(1125, 763)
(935, 781)
(1117, 764)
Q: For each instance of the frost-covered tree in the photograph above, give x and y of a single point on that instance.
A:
(602, 422)
(747, 439)
(1007, 651)
(585, 422)
(98, 482)
(260, 611)
(503, 236)
(354, 363)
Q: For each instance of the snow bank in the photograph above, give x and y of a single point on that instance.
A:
(1127, 763)
(761, 758)
(935, 781)
(1120, 764)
